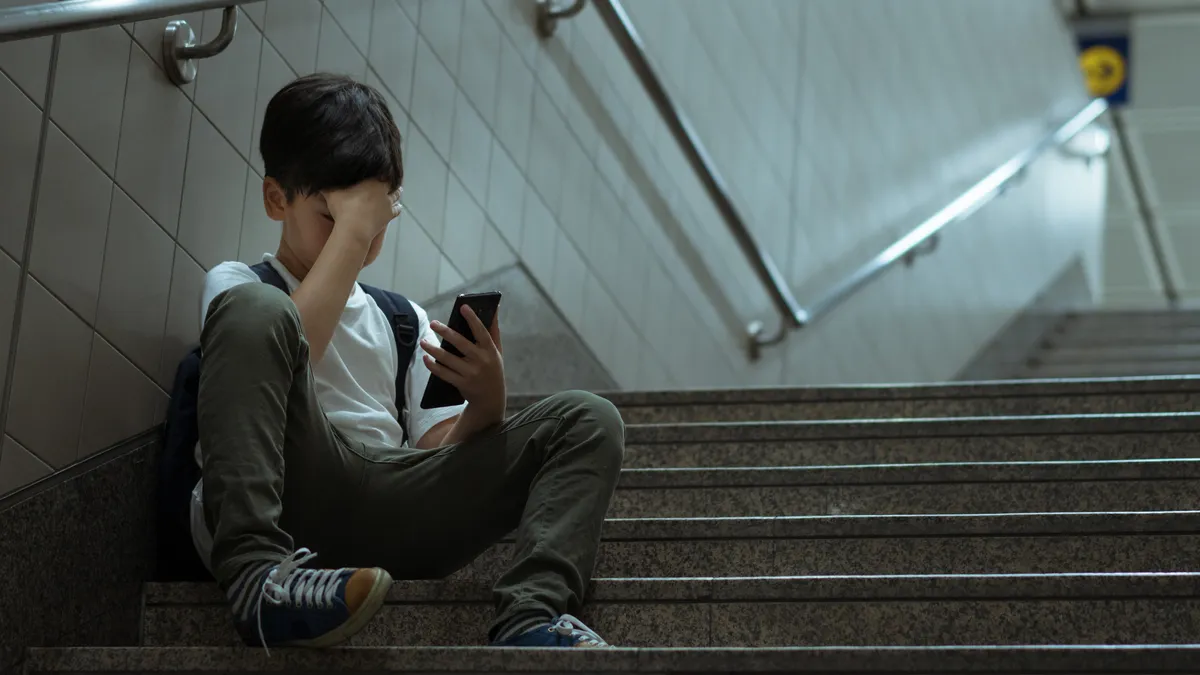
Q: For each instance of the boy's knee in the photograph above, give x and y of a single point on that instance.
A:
(252, 310)
(595, 415)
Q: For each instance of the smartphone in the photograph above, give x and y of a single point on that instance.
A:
(440, 393)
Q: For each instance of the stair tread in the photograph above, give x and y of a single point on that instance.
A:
(780, 588)
(953, 390)
(913, 473)
(1032, 425)
(889, 659)
(901, 525)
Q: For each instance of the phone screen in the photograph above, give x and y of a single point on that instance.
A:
(442, 394)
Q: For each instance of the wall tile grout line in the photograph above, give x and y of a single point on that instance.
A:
(27, 251)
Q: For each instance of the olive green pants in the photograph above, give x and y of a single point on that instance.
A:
(278, 476)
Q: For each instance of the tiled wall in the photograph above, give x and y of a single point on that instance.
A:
(836, 124)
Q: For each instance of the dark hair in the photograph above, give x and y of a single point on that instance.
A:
(327, 132)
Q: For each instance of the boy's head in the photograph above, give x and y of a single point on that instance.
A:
(321, 133)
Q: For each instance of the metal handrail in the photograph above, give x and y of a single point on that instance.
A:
(921, 239)
(179, 40)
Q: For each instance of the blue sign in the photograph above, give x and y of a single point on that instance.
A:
(1105, 63)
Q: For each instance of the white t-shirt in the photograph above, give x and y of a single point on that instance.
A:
(355, 379)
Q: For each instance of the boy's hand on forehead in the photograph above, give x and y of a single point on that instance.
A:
(364, 209)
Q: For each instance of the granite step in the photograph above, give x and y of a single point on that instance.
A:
(1123, 336)
(900, 544)
(1113, 369)
(1052, 609)
(1120, 353)
(1142, 319)
(1029, 397)
(1072, 437)
(942, 659)
(948, 487)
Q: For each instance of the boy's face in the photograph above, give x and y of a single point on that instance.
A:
(307, 224)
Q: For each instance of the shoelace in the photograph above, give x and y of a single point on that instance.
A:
(569, 626)
(288, 584)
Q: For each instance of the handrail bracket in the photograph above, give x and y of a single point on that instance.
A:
(180, 51)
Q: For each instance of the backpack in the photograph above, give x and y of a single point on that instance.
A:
(177, 469)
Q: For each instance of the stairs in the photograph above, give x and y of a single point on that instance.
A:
(1021, 527)
(1119, 344)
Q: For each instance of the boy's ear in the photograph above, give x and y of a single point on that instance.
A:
(274, 199)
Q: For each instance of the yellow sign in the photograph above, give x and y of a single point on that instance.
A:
(1103, 69)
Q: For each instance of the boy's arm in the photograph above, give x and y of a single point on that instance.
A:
(360, 214)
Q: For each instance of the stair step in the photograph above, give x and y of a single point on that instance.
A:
(949, 660)
(1121, 353)
(961, 487)
(1028, 397)
(1049, 609)
(1113, 369)
(952, 439)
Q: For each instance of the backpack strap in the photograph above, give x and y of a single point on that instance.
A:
(405, 328)
(267, 274)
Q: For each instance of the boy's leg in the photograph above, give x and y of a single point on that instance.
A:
(548, 472)
(258, 413)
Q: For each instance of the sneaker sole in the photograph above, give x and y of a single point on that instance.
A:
(357, 621)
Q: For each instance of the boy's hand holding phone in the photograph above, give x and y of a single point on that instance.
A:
(364, 209)
(479, 373)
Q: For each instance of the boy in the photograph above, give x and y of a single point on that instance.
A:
(302, 444)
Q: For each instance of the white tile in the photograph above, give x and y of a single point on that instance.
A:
(136, 284)
(479, 67)
(433, 98)
(210, 223)
(49, 379)
(381, 272)
(120, 402)
(154, 142)
(579, 182)
(354, 16)
(10, 277)
(538, 240)
(497, 253)
(417, 261)
(273, 74)
(183, 315)
(601, 246)
(471, 149)
(411, 9)
(570, 275)
(260, 234)
(394, 49)
(293, 27)
(18, 467)
(89, 90)
(256, 12)
(598, 324)
(545, 150)
(68, 237)
(462, 241)
(441, 24)
(336, 53)
(425, 174)
(623, 359)
(27, 62)
(226, 90)
(149, 36)
(516, 17)
(514, 103)
(20, 129)
(506, 195)
(448, 277)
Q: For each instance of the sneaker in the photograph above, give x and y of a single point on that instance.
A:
(299, 607)
(565, 631)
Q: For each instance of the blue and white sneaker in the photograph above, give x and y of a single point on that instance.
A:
(565, 631)
(287, 606)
